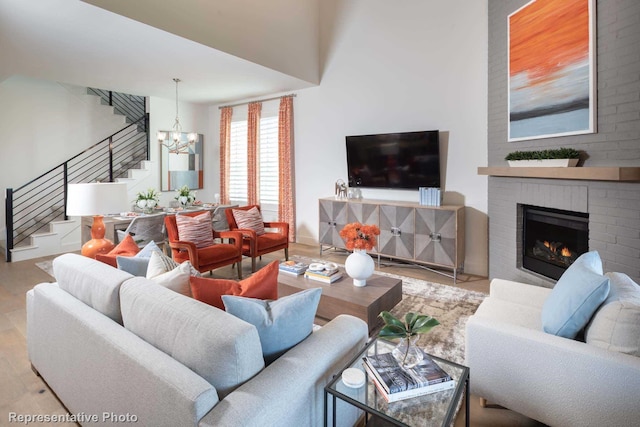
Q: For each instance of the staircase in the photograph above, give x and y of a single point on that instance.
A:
(37, 224)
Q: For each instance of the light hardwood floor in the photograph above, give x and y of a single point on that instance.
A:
(22, 392)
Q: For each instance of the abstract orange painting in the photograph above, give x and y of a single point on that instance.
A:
(551, 69)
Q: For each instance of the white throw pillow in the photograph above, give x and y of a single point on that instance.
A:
(616, 324)
(159, 263)
(177, 279)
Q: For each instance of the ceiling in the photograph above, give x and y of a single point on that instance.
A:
(73, 42)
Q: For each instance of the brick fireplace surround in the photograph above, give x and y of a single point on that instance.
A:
(613, 207)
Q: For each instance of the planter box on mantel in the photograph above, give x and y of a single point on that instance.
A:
(544, 163)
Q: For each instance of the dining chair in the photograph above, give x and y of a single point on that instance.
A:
(146, 228)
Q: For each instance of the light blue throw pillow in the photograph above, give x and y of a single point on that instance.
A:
(577, 295)
(137, 265)
(281, 323)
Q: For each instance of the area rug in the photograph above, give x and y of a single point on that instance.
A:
(46, 266)
(450, 305)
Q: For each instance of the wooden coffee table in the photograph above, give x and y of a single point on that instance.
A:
(341, 297)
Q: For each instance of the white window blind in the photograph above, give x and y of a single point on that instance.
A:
(238, 162)
(267, 165)
(269, 170)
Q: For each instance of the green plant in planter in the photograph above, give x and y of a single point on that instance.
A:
(185, 196)
(559, 153)
(147, 200)
(413, 325)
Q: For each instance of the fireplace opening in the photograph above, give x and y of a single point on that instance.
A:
(552, 239)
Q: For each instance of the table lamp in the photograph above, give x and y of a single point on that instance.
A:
(96, 199)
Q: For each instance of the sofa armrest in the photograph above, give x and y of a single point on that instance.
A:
(290, 391)
(519, 293)
(554, 380)
(94, 365)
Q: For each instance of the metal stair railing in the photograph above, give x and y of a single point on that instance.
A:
(130, 106)
(31, 207)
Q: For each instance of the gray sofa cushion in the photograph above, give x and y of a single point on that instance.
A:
(92, 282)
(219, 347)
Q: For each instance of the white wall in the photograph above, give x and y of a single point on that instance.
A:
(279, 34)
(43, 124)
(394, 67)
(193, 118)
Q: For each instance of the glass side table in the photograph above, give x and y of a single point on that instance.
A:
(436, 409)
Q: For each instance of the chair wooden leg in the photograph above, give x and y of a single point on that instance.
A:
(253, 265)
(239, 266)
(286, 254)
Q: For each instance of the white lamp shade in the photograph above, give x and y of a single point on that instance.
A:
(97, 198)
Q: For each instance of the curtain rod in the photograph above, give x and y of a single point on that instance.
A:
(292, 95)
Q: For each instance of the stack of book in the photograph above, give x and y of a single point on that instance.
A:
(430, 196)
(324, 276)
(293, 268)
(396, 383)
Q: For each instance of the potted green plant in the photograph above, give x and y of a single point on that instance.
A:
(406, 352)
(147, 200)
(559, 157)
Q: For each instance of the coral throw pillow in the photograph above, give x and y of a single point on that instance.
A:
(128, 247)
(195, 229)
(250, 219)
(262, 285)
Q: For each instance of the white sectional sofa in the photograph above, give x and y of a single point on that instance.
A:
(176, 361)
(555, 380)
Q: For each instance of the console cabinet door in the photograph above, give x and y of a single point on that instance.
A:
(333, 218)
(364, 213)
(396, 231)
(436, 236)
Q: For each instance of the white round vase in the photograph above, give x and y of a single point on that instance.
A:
(359, 266)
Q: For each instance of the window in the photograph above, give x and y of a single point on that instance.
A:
(268, 178)
(268, 156)
(238, 162)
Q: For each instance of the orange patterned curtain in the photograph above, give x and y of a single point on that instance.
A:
(286, 205)
(253, 136)
(225, 143)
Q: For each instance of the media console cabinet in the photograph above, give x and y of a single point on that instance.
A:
(424, 235)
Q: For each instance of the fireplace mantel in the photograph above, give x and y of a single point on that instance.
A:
(621, 174)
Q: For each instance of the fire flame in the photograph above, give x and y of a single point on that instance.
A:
(565, 252)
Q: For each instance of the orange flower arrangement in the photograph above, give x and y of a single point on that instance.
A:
(359, 236)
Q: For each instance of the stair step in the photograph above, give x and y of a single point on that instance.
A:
(43, 234)
(23, 248)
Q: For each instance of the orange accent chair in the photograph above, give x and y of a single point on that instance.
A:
(255, 246)
(210, 257)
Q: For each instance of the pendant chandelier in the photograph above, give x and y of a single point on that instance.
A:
(174, 142)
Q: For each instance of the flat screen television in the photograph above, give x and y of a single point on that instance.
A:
(406, 160)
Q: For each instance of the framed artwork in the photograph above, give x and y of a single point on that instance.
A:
(551, 61)
(182, 168)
